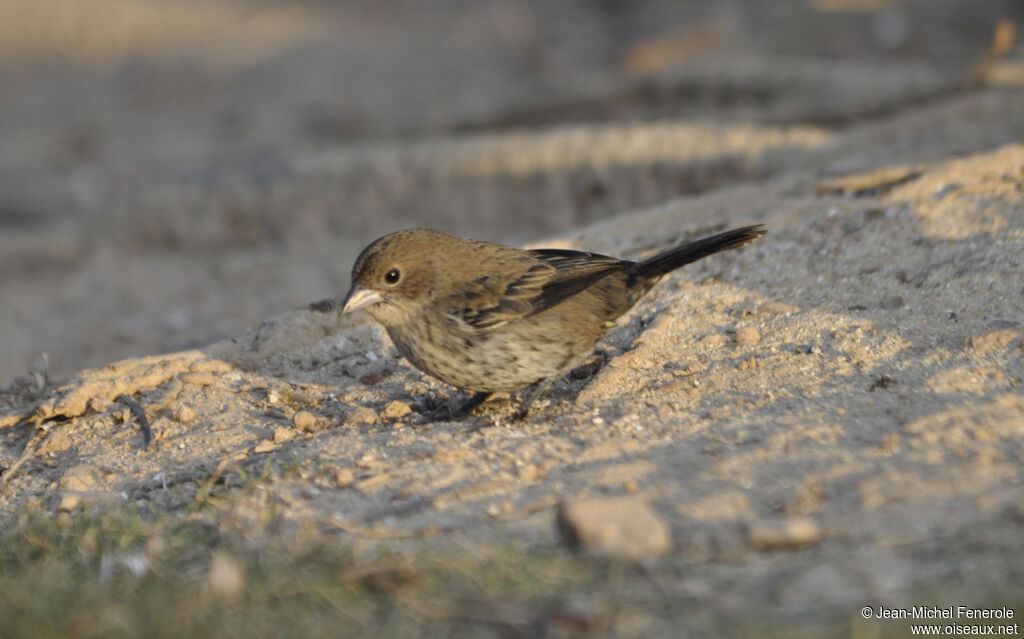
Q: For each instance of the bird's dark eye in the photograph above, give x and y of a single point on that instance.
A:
(392, 276)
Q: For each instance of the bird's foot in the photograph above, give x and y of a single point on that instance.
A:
(447, 412)
(589, 367)
(531, 394)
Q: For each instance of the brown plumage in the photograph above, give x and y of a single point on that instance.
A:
(486, 317)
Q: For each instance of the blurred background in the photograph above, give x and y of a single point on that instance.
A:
(174, 171)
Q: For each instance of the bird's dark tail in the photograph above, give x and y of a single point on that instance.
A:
(672, 259)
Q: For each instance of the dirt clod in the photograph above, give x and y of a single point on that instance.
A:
(396, 410)
(303, 420)
(747, 336)
(624, 526)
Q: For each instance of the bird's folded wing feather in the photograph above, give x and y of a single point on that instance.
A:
(550, 277)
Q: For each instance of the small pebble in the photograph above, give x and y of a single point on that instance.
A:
(344, 477)
(185, 415)
(371, 378)
(264, 446)
(747, 336)
(199, 379)
(623, 526)
(303, 420)
(396, 410)
(362, 415)
(281, 435)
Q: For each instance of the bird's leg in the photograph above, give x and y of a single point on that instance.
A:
(465, 407)
(531, 395)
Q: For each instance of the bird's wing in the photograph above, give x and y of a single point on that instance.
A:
(574, 272)
(549, 277)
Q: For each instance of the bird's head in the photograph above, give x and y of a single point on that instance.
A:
(397, 275)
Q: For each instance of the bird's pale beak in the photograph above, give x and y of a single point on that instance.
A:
(359, 298)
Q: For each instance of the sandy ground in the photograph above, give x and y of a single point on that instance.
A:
(852, 380)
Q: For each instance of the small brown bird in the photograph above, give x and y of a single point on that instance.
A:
(485, 317)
